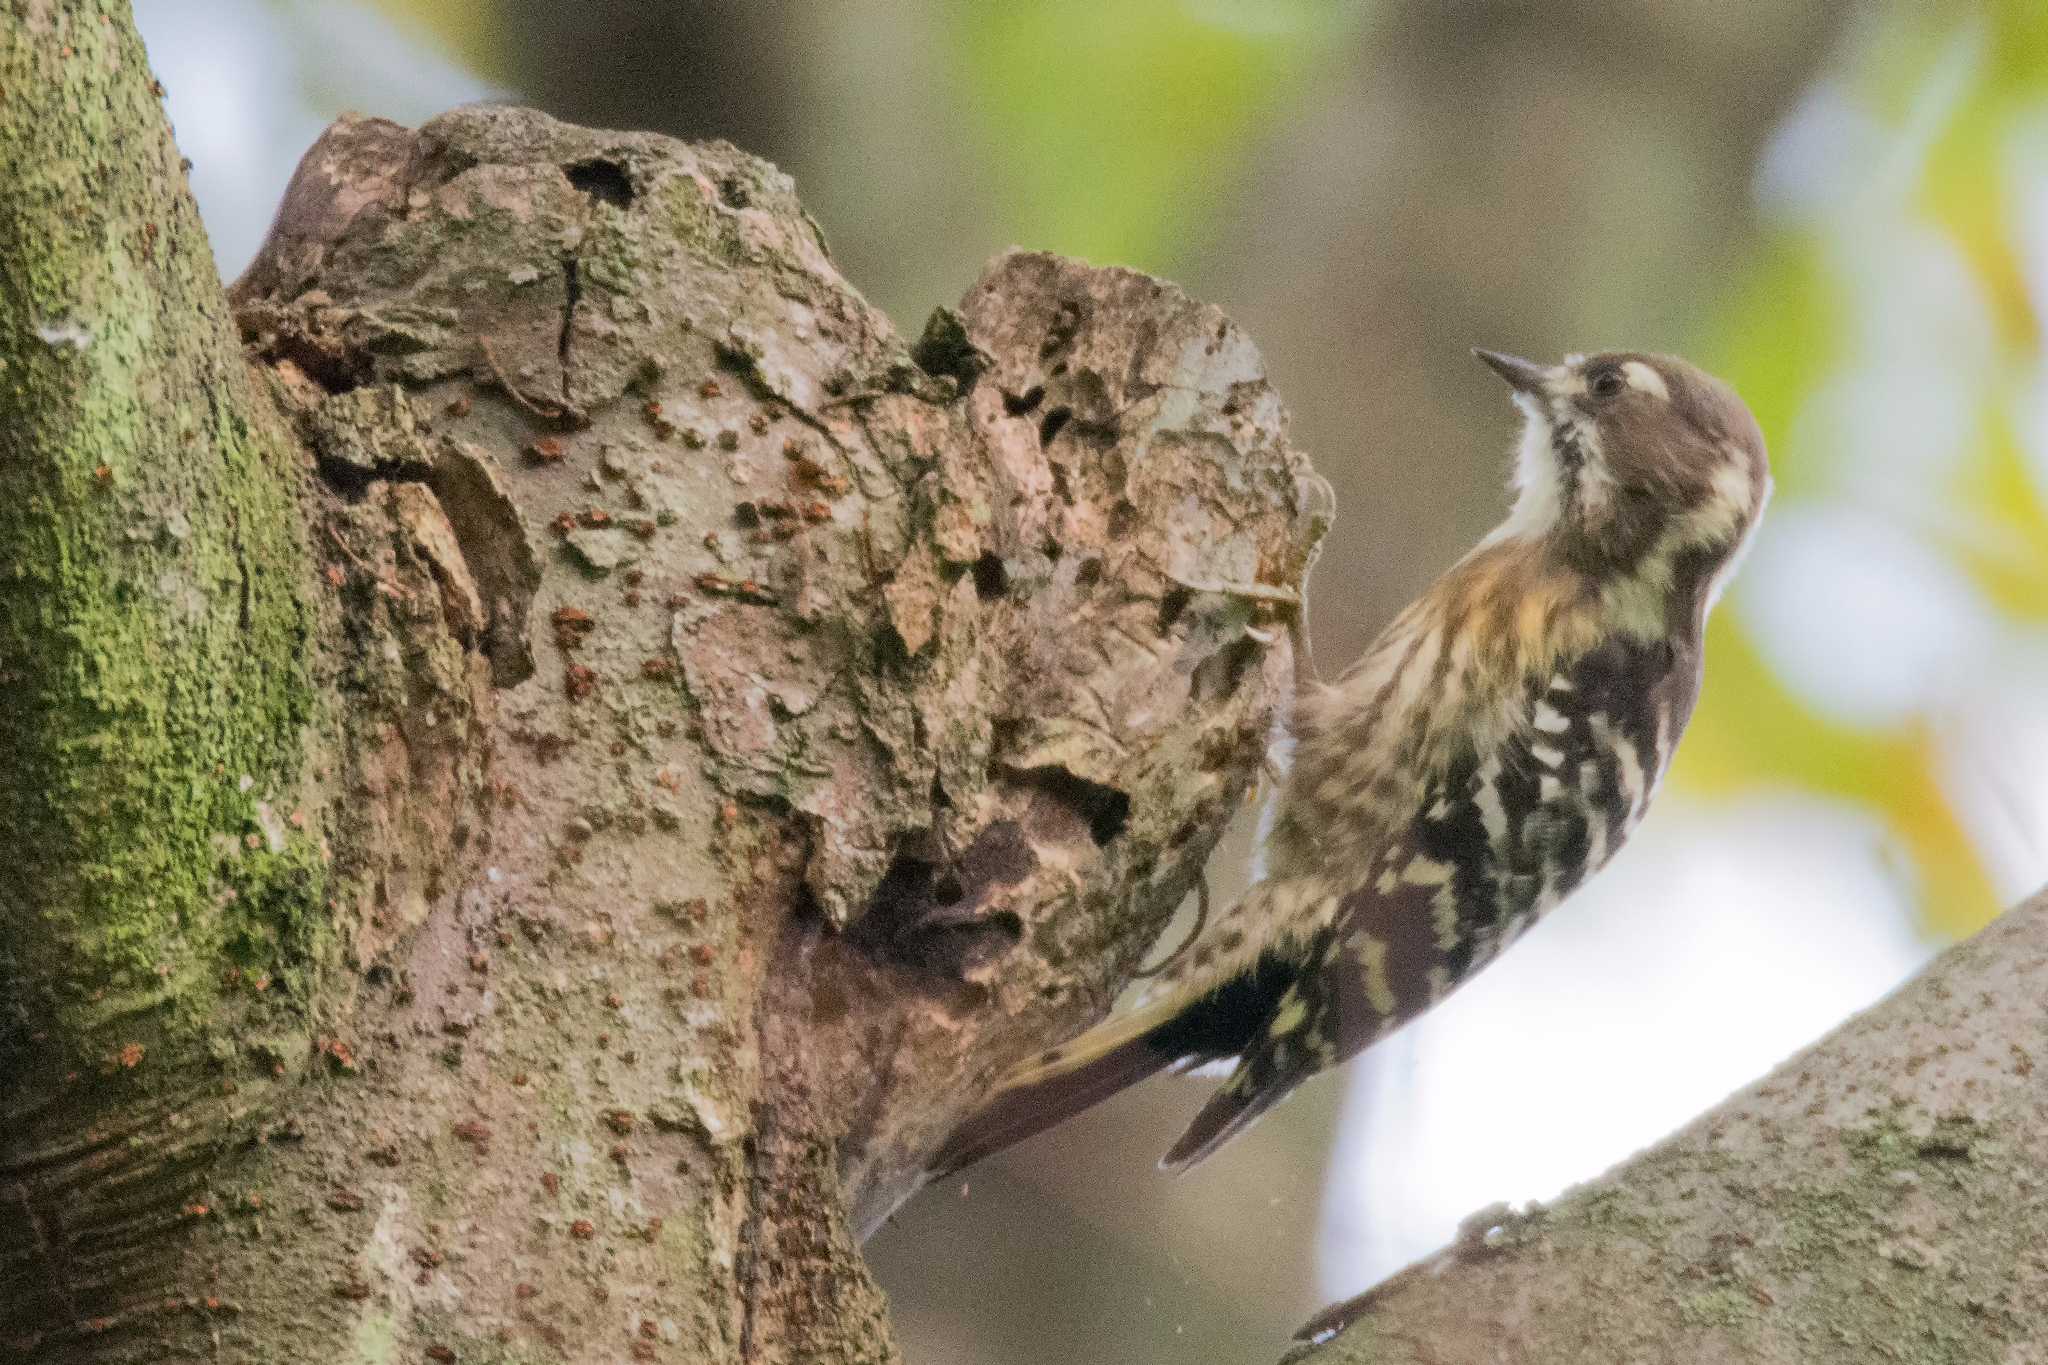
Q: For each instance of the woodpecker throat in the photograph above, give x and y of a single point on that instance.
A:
(1488, 753)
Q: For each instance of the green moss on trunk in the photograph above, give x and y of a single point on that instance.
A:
(153, 696)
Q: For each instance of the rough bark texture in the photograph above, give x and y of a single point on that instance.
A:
(547, 772)
(1880, 1197)
(546, 802)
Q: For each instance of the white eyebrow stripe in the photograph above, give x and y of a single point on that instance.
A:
(1646, 378)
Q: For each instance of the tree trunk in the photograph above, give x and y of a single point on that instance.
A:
(551, 769)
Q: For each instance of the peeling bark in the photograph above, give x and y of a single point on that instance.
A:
(727, 736)
(1880, 1197)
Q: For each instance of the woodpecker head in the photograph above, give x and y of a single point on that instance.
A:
(1632, 462)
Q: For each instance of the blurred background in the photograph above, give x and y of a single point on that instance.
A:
(1842, 208)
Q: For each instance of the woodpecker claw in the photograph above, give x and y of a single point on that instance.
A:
(1257, 592)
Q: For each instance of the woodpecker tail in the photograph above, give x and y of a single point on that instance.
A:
(1060, 1082)
(1298, 1035)
(1231, 1110)
(1179, 1029)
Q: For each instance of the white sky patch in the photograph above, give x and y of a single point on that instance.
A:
(2026, 186)
(1818, 156)
(251, 84)
(1932, 312)
(1993, 743)
(2032, 412)
(1858, 615)
(1923, 360)
(1832, 161)
(1716, 944)
(2027, 160)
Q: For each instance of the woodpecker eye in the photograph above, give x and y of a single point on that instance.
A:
(1607, 381)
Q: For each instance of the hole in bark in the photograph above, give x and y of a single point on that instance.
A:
(946, 350)
(603, 180)
(443, 164)
(1089, 574)
(1218, 675)
(1017, 404)
(1061, 488)
(902, 896)
(1066, 324)
(991, 579)
(828, 1001)
(1104, 809)
(1941, 1148)
(1113, 466)
(572, 295)
(1050, 425)
(931, 911)
(334, 369)
(352, 482)
(733, 192)
(1171, 606)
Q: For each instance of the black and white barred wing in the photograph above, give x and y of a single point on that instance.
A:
(1502, 835)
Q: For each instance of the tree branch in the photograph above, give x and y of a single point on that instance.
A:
(1878, 1197)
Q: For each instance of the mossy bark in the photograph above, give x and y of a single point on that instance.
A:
(555, 764)
(152, 628)
(157, 719)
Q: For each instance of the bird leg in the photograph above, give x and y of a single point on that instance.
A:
(1293, 602)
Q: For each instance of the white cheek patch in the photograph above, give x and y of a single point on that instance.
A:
(1733, 483)
(1646, 378)
(1753, 498)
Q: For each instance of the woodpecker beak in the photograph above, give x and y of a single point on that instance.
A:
(1525, 376)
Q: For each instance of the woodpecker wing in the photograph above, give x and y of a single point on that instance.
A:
(1500, 837)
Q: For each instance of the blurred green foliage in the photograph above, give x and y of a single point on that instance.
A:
(1115, 126)
(470, 31)
(1961, 100)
